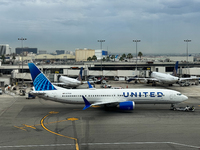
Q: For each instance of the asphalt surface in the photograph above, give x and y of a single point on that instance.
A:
(30, 124)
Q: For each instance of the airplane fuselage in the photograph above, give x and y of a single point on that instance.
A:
(139, 96)
(70, 82)
(164, 78)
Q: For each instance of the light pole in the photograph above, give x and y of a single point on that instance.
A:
(187, 52)
(65, 58)
(136, 51)
(22, 39)
(101, 41)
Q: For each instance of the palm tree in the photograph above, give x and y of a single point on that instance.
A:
(140, 55)
(124, 55)
(121, 58)
(129, 56)
(107, 58)
(104, 59)
(13, 56)
(89, 59)
(94, 57)
(3, 59)
(113, 57)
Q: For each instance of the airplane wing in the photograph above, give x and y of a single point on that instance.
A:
(58, 83)
(108, 101)
(192, 78)
(153, 79)
(91, 82)
(147, 79)
(102, 101)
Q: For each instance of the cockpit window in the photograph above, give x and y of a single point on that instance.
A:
(179, 94)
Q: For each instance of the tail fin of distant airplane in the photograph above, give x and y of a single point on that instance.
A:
(80, 74)
(90, 86)
(175, 69)
(116, 56)
(40, 81)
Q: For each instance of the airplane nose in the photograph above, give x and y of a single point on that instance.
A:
(185, 97)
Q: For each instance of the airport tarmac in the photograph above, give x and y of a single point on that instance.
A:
(30, 124)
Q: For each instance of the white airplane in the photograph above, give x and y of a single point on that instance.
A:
(71, 82)
(125, 99)
(164, 78)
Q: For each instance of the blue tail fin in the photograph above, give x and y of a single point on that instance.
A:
(40, 81)
(80, 75)
(175, 69)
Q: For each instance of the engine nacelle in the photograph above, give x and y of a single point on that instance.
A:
(129, 105)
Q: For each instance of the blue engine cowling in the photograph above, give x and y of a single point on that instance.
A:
(129, 105)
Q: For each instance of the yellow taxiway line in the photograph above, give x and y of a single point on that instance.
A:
(42, 124)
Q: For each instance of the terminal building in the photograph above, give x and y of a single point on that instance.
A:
(65, 64)
(109, 69)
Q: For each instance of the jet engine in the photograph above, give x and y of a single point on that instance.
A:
(129, 105)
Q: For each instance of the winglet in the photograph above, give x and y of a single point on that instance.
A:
(90, 86)
(87, 104)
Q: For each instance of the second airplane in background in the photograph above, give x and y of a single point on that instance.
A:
(164, 78)
(70, 82)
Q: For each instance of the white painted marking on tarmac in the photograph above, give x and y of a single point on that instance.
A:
(118, 143)
(50, 145)
(134, 143)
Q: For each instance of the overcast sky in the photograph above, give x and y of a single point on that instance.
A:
(161, 25)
